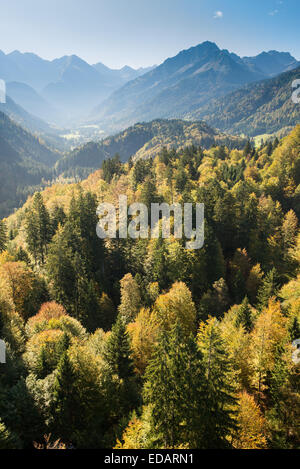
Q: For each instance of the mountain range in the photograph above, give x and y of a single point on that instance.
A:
(55, 90)
(265, 107)
(185, 82)
(69, 91)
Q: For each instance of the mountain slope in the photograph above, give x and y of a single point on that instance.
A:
(265, 107)
(30, 100)
(24, 163)
(182, 83)
(144, 140)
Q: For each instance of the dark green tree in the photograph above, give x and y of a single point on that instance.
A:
(38, 229)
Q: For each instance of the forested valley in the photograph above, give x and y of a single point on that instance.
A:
(130, 344)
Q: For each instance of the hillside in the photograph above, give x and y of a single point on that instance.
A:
(144, 140)
(24, 162)
(183, 83)
(265, 107)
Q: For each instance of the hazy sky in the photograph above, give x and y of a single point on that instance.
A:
(145, 32)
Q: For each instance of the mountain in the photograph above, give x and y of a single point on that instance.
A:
(272, 63)
(55, 90)
(29, 99)
(117, 78)
(143, 140)
(265, 107)
(23, 118)
(24, 163)
(182, 83)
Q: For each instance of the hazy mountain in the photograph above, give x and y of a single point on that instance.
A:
(29, 99)
(256, 109)
(24, 118)
(24, 163)
(59, 88)
(182, 83)
(272, 63)
(143, 140)
(117, 78)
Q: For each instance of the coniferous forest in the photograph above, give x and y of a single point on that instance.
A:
(138, 344)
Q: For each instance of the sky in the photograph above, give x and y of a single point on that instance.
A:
(140, 33)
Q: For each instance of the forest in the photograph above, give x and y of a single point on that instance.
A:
(143, 344)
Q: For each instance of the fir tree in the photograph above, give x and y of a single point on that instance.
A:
(268, 289)
(38, 229)
(174, 390)
(66, 400)
(117, 352)
(219, 389)
(244, 316)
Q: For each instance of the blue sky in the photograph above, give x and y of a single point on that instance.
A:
(145, 32)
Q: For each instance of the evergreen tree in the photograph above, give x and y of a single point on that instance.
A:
(66, 401)
(38, 229)
(219, 389)
(268, 289)
(244, 316)
(117, 352)
(294, 329)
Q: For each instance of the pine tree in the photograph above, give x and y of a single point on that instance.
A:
(244, 316)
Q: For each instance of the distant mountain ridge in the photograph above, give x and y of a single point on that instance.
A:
(182, 83)
(265, 107)
(65, 90)
(62, 86)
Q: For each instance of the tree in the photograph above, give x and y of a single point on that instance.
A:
(23, 289)
(251, 432)
(38, 229)
(3, 236)
(176, 305)
(66, 401)
(117, 352)
(269, 331)
(244, 315)
(268, 289)
(143, 333)
(130, 298)
(174, 391)
(219, 390)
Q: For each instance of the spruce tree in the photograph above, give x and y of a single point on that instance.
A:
(66, 400)
(174, 390)
(38, 229)
(268, 289)
(219, 389)
(117, 352)
(244, 316)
